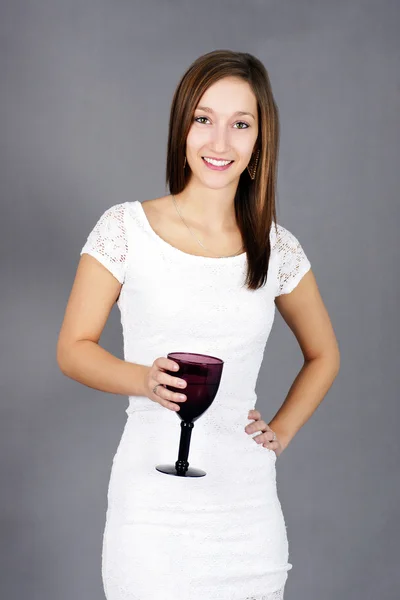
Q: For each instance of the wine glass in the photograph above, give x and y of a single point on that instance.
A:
(203, 375)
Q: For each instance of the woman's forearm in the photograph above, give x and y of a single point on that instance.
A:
(305, 395)
(90, 364)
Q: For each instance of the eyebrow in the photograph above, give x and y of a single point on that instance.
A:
(238, 112)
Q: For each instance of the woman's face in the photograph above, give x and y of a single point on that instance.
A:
(219, 131)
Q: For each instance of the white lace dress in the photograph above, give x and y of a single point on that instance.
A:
(221, 536)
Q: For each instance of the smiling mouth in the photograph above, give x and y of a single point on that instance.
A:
(217, 159)
(216, 167)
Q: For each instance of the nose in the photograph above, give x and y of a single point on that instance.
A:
(220, 141)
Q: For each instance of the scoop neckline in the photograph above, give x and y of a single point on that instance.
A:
(146, 222)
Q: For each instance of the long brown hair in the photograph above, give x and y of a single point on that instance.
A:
(255, 199)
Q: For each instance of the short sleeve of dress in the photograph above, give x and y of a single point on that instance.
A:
(108, 241)
(293, 262)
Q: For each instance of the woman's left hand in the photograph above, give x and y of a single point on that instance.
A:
(265, 437)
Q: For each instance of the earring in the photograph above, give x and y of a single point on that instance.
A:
(184, 164)
(252, 168)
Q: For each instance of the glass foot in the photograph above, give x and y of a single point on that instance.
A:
(171, 470)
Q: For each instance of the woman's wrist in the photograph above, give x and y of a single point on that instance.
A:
(283, 437)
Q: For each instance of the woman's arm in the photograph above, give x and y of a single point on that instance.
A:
(305, 313)
(79, 356)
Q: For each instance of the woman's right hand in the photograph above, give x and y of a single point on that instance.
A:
(156, 374)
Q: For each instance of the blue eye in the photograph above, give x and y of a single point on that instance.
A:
(206, 118)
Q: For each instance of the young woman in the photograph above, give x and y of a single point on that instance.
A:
(200, 270)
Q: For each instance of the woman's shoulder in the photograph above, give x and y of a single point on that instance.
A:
(157, 208)
(120, 210)
(282, 239)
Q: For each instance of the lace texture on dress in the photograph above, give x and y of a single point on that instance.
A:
(115, 589)
(278, 595)
(107, 241)
(293, 263)
(159, 527)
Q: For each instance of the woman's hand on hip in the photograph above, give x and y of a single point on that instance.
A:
(266, 434)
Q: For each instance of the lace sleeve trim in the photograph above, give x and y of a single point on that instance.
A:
(108, 243)
(293, 262)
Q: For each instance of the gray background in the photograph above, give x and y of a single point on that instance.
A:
(85, 92)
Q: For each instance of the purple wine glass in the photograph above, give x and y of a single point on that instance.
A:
(202, 374)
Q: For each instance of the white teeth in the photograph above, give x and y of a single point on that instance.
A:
(217, 163)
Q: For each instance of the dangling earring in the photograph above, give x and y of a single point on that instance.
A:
(253, 168)
(184, 164)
